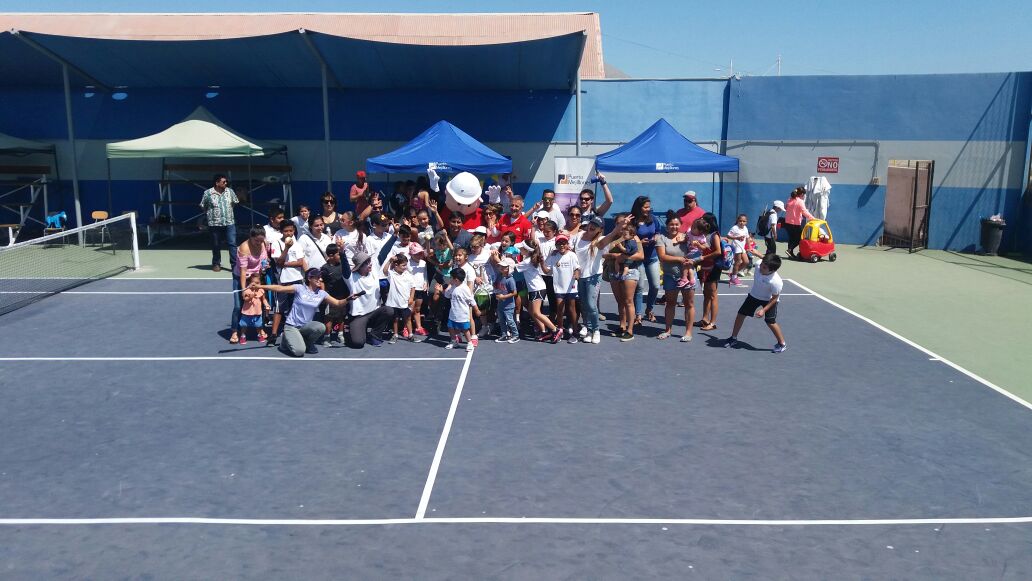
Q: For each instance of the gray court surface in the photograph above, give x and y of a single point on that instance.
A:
(852, 455)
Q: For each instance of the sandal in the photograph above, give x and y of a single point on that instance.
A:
(234, 339)
(637, 321)
(709, 327)
(650, 317)
(701, 323)
(686, 339)
(664, 335)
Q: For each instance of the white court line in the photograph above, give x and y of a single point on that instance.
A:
(510, 520)
(231, 358)
(931, 354)
(436, 464)
(229, 292)
(698, 294)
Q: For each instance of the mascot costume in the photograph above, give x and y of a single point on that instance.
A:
(463, 198)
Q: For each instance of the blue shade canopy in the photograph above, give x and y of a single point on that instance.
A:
(546, 63)
(661, 149)
(449, 148)
(290, 59)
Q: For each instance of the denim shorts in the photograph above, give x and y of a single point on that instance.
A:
(251, 321)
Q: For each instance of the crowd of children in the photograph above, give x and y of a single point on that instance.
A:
(396, 270)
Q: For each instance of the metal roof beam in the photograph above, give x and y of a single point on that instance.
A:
(319, 57)
(61, 61)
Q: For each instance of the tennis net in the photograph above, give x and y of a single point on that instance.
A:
(38, 268)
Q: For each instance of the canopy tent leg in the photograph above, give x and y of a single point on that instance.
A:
(738, 180)
(250, 189)
(71, 141)
(288, 188)
(110, 214)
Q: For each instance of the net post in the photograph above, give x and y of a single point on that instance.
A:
(136, 242)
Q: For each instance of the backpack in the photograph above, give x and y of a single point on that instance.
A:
(763, 223)
(727, 255)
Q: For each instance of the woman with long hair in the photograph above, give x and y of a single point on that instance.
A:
(709, 271)
(590, 246)
(252, 257)
(673, 251)
(647, 226)
(626, 254)
(330, 217)
(795, 210)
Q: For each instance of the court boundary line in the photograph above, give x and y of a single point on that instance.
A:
(227, 358)
(435, 465)
(514, 520)
(931, 354)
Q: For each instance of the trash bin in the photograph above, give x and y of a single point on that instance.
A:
(992, 233)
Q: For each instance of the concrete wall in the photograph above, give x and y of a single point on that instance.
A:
(975, 127)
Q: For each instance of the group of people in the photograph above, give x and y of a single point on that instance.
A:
(403, 267)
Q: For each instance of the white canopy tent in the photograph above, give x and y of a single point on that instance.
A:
(10, 145)
(200, 135)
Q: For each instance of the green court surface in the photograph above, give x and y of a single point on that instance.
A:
(972, 310)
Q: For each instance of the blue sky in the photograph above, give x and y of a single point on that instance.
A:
(671, 38)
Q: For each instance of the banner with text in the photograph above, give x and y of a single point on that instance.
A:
(572, 174)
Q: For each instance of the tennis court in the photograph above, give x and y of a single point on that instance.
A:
(138, 442)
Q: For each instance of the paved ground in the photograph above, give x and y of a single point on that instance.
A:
(972, 310)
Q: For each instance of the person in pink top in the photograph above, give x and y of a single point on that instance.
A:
(795, 210)
(360, 192)
(252, 258)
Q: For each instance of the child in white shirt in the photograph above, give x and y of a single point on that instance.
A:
(739, 234)
(401, 295)
(564, 267)
(301, 220)
(762, 302)
(462, 303)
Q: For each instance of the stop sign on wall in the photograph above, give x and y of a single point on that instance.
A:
(827, 164)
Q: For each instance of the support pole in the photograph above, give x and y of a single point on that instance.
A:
(577, 99)
(71, 141)
(135, 240)
(326, 130)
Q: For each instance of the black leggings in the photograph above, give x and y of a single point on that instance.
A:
(374, 322)
(795, 233)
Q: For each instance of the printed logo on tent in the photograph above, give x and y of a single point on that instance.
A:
(666, 167)
(440, 166)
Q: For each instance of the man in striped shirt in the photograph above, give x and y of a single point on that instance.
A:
(217, 202)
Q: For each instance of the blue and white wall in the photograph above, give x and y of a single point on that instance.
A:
(975, 127)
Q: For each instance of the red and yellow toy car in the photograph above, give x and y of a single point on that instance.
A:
(817, 242)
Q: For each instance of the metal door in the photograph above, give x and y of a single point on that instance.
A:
(908, 196)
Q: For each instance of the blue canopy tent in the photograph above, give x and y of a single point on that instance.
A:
(446, 147)
(661, 149)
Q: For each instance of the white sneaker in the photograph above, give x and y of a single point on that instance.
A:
(450, 346)
(573, 340)
(583, 332)
(596, 337)
(470, 347)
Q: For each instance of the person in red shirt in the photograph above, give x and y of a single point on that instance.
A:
(515, 221)
(360, 192)
(690, 212)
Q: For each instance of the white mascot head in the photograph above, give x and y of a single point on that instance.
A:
(463, 193)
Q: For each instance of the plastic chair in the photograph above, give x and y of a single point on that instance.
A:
(98, 216)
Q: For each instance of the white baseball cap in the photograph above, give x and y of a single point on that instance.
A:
(778, 204)
(542, 214)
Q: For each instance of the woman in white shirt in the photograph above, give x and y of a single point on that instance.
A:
(368, 318)
(590, 247)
